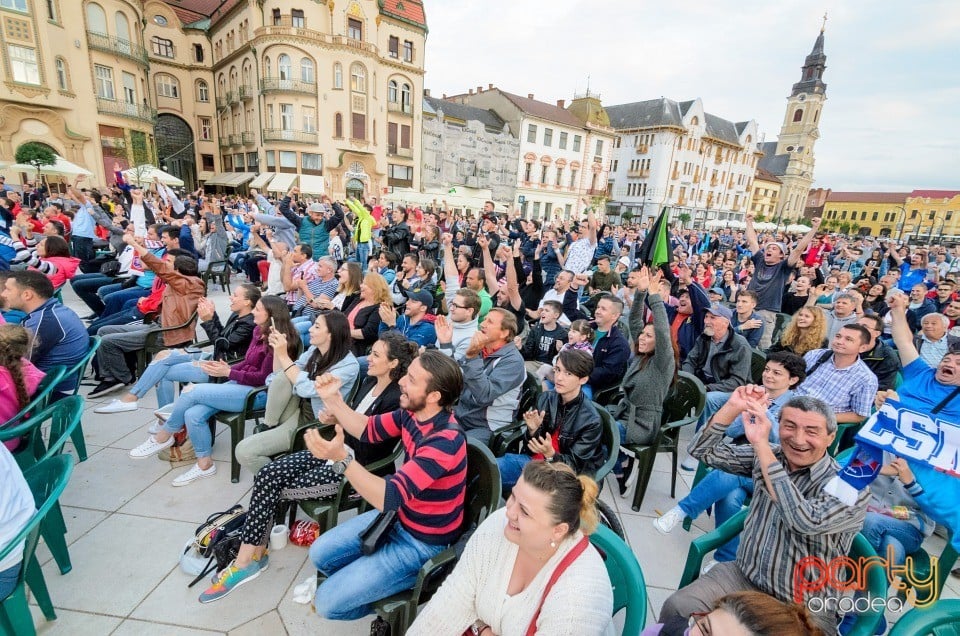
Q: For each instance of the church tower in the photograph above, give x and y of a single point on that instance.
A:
(800, 131)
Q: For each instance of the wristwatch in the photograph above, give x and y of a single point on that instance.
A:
(340, 467)
(477, 627)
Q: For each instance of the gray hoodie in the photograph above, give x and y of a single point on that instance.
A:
(491, 391)
(462, 334)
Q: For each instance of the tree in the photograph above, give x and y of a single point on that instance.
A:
(36, 155)
(627, 216)
(684, 218)
(845, 227)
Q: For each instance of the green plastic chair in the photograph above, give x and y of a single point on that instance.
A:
(921, 565)
(610, 438)
(64, 417)
(80, 370)
(238, 423)
(40, 397)
(780, 325)
(47, 481)
(154, 343)
(758, 362)
(482, 498)
(877, 584)
(942, 619)
(842, 428)
(529, 393)
(683, 406)
(626, 577)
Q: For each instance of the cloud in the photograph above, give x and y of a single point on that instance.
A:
(891, 69)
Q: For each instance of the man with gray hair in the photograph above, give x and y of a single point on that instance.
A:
(790, 509)
(933, 341)
(846, 306)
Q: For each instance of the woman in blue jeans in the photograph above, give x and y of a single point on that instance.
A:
(178, 365)
(195, 407)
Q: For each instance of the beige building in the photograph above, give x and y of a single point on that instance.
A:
(766, 194)
(258, 92)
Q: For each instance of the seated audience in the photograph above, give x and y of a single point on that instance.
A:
(742, 614)
(19, 379)
(15, 513)
(806, 331)
(456, 329)
(745, 320)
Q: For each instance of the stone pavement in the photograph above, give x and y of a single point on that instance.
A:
(127, 527)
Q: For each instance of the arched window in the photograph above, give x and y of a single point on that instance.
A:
(283, 67)
(96, 19)
(266, 67)
(123, 26)
(203, 91)
(358, 78)
(168, 86)
(406, 103)
(695, 121)
(392, 92)
(338, 126)
(63, 81)
(337, 76)
(306, 71)
(798, 114)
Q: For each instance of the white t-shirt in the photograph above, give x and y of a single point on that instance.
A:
(16, 506)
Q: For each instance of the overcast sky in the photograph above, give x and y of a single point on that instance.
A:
(892, 117)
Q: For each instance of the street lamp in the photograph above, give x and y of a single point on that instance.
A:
(902, 224)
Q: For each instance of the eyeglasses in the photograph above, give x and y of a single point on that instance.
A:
(701, 621)
(456, 306)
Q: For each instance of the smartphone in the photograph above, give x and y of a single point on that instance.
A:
(273, 324)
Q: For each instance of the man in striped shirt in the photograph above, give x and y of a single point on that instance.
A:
(426, 493)
(791, 518)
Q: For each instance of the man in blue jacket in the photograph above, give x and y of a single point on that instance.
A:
(413, 324)
(611, 351)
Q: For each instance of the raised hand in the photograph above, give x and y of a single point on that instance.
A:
(533, 419)
(277, 340)
(444, 330)
(321, 448)
(477, 343)
(328, 386)
(388, 314)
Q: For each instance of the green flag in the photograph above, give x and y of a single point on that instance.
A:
(655, 249)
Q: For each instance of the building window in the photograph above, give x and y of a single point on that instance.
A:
(104, 78)
(52, 10)
(205, 128)
(309, 119)
(543, 174)
(337, 76)
(536, 209)
(400, 175)
(311, 163)
(271, 160)
(531, 133)
(338, 126)
(129, 88)
(354, 29)
(405, 137)
(167, 86)
(576, 143)
(288, 161)
(283, 67)
(96, 18)
(876, 215)
(599, 151)
(407, 51)
(358, 127)
(63, 82)
(162, 47)
(358, 78)
(198, 52)
(573, 178)
(238, 162)
(563, 141)
(527, 172)
(406, 103)
(392, 92)
(547, 137)
(559, 180)
(203, 92)
(253, 162)
(306, 71)
(286, 116)
(16, 5)
(206, 163)
(296, 18)
(798, 114)
(23, 63)
(394, 46)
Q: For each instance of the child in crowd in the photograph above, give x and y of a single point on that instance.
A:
(579, 337)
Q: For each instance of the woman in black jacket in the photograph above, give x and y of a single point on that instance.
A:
(364, 316)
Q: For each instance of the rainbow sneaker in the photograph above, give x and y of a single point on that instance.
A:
(232, 577)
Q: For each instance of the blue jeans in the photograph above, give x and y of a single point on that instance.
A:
(362, 254)
(885, 532)
(726, 508)
(715, 399)
(199, 405)
(511, 467)
(8, 579)
(114, 301)
(125, 316)
(86, 287)
(302, 324)
(355, 581)
(177, 367)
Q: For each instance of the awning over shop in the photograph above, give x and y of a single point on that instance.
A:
(262, 180)
(282, 182)
(311, 184)
(239, 178)
(220, 178)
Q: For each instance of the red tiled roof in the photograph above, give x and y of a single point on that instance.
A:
(193, 10)
(186, 15)
(868, 197)
(934, 194)
(766, 175)
(409, 10)
(543, 110)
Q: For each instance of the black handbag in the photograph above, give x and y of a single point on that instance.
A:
(377, 533)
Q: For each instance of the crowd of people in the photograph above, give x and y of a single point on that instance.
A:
(427, 328)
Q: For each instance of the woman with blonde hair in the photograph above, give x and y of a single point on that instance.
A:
(743, 614)
(364, 317)
(498, 585)
(18, 377)
(807, 331)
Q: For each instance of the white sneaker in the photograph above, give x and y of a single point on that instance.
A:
(155, 427)
(116, 406)
(150, 447)
(669, 520)
(194, 474)
(690, 464)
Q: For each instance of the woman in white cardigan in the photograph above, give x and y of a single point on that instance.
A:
(497, 586)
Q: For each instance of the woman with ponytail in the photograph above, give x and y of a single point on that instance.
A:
(18, 377)
(498, 586)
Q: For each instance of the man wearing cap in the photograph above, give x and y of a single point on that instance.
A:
(721, 357)
(488, 227)
(412, 324)
(773, 268)
(314, 229)
(716, 295)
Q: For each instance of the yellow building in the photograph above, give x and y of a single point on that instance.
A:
(234, 92)
(766, 194)
(873, 213)
(932, 214)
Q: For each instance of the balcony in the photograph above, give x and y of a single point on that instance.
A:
(294, 136)
(245, 93)
(399, 151)
(233, 97)
(225, 142)
(234, 139)
(248, 138)
(117, 46)
(638, 174)
(140, 112)
(284, 27)
(222, 102)
(397, 107)
(277, 85)
(642, 149)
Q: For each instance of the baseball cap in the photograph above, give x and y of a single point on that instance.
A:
(721, 310)
(783, 248)
(624, 261)
(420, 295)
(716, 290)
(316, 207)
